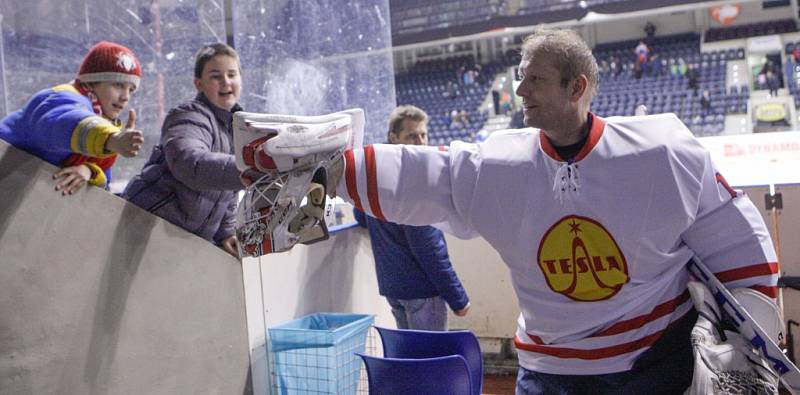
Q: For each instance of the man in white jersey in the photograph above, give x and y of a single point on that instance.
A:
(595, 218)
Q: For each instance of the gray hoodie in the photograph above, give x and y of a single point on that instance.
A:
(191, 178)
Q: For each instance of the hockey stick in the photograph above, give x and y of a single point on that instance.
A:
(748, 327)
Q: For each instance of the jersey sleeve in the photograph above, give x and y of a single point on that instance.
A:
(62, 121)
(413, 185)
(730, 236)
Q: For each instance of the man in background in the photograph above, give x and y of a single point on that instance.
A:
(413, 267)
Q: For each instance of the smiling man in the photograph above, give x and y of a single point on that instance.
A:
(191, 178)
(595, 218)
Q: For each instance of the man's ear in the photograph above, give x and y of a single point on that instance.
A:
(579, 87)
(392, 138)
(197, 83)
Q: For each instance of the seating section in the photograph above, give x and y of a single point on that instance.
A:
(414, 16)
(751, 30)
(664, 87)
(435, 87)
(424, 20)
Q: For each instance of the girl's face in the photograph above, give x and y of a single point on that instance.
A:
(220, 81)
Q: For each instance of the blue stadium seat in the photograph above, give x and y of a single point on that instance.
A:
(406, 343)
(448, 375)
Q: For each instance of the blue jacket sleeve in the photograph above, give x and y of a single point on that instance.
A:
(430, 249)
(62, 120)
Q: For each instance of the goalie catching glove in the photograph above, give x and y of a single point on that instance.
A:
(290, 164)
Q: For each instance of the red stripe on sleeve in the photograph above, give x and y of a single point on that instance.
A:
(772, 291)
(350, 178)
(535, 339)
(372, 183)
(762, 269)
(721, 180)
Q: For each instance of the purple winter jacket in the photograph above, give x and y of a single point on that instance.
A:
(191, 178)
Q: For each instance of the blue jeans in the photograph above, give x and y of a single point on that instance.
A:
(428, 314)
(666, 368)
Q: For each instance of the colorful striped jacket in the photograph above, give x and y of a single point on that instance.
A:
(59, 126)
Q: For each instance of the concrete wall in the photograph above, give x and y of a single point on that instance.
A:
(99, 297)
(336, 275)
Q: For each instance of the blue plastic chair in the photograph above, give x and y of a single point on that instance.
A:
(447, 375)
(408, 343)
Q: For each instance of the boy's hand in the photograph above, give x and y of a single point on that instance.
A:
(71, 179)
(129, 141)
(229, 245)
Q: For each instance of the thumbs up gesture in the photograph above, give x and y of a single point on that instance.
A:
(129, 141)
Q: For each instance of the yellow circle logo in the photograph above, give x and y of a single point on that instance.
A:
(580, 260)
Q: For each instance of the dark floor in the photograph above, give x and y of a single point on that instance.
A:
(499, 385)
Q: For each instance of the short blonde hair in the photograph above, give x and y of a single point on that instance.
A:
(570, 53)
(401, 113)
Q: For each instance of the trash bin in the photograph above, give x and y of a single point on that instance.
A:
(315, 353)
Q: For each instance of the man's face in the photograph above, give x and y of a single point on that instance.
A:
(113, 97)
(220, 81)
(411, 132)
(545, 101)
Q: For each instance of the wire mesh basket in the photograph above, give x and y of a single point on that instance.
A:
(315, 354)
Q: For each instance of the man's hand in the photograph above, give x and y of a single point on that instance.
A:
(463, 311)
(72, 178)
(129, 141)
(229, 245)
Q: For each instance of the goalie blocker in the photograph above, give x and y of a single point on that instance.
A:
(289, 164)
(755, 319)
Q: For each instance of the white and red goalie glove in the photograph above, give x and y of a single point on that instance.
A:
(289, 165)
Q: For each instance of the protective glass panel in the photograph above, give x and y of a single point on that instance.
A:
(44, 41)
(317, 57)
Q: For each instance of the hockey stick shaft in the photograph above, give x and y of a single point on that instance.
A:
(748, 327)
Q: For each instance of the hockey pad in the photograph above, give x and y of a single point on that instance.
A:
(724, 361)
(274, 214)
(289, 164)
(272, 142)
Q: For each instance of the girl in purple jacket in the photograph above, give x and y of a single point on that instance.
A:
(191, 178)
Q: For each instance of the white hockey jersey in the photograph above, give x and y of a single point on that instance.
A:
(596, 248)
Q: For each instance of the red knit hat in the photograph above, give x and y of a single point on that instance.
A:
(108, 61)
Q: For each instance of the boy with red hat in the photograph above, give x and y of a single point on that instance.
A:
(76, 126)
